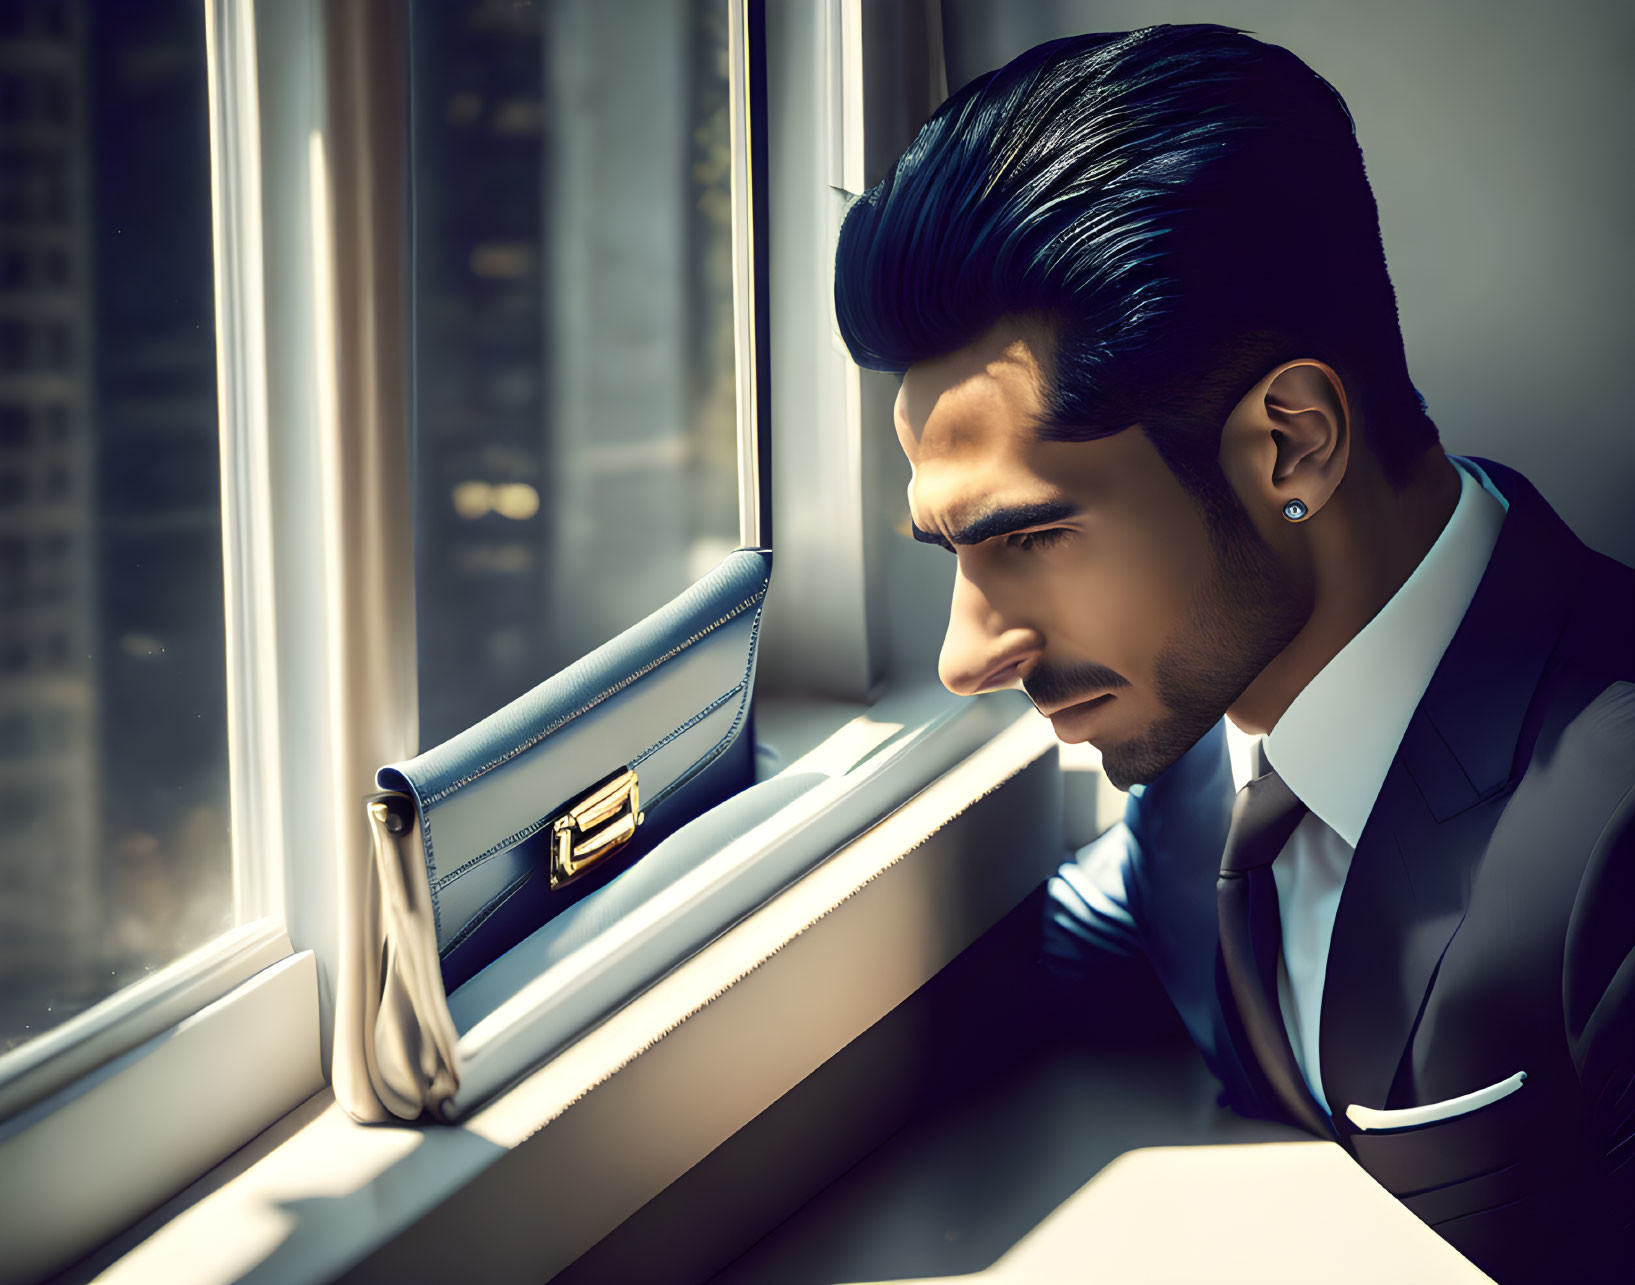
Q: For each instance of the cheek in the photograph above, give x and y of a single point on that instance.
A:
(1126, 595)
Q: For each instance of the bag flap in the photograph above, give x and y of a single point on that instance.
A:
(665, 697)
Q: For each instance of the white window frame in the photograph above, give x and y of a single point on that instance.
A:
(140, 1063)
(139, 1011)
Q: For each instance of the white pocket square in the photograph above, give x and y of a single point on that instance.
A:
(1431, 1112)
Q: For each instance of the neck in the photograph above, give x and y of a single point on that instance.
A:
(1361, 548)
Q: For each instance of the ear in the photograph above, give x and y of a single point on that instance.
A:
(1289, 439)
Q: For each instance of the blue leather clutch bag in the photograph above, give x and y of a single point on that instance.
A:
(481, 840)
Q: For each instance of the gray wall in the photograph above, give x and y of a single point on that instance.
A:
(1498, 136)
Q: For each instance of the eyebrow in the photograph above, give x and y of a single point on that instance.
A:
(998, 522)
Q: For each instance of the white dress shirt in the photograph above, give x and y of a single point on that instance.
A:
(1335, 743)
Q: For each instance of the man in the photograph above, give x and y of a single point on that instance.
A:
(1156, 403)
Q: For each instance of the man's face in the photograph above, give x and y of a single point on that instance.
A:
(1086, 571)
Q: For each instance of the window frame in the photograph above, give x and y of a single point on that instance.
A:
(259, 939)
(146, 1053)
(751, 303)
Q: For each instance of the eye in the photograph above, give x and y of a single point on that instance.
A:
(1032, 541)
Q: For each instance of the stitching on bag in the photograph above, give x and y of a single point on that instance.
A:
(427, 804)
(484, 912)
(533, 828)
(431, 864)
(527, 832)
(487, 911)
(708, 757)
(714, 753)
(692, 722)
(675, 651)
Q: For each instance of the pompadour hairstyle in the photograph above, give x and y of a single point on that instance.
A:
(1186, 208)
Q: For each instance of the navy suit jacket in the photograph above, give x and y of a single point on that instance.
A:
(1486, 927)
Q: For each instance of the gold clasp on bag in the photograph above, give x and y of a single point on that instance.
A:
(595, 826)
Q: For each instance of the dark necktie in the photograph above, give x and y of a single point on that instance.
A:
(1264, 815)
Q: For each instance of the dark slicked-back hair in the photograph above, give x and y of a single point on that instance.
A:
(1185, 207)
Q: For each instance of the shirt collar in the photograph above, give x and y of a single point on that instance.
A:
(1335, 742)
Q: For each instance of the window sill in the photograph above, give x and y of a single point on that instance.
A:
(136, 1014)
(97, 1154)
(618, 1115)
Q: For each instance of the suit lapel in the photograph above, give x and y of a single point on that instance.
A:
(1410, 877)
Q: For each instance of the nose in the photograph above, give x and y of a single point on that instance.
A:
(983, 650)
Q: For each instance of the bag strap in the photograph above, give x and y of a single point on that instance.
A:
(409, 1034)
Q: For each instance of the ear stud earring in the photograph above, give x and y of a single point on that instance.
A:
(1296, 510)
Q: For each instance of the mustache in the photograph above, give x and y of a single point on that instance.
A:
(1056, 685)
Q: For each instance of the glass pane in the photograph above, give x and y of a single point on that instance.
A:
(575, 454)
(114, 852)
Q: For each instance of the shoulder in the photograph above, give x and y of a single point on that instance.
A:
(1600, 744)
(1598, 748)
(1600, 739)
(1580, 725)
(1579, 769)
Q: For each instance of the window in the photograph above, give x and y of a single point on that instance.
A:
(14, 343)
(14, 561)
(16, 428)
(13, 98)
(575, 392)
(59, 344)
(116, 697)
(143, 883)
